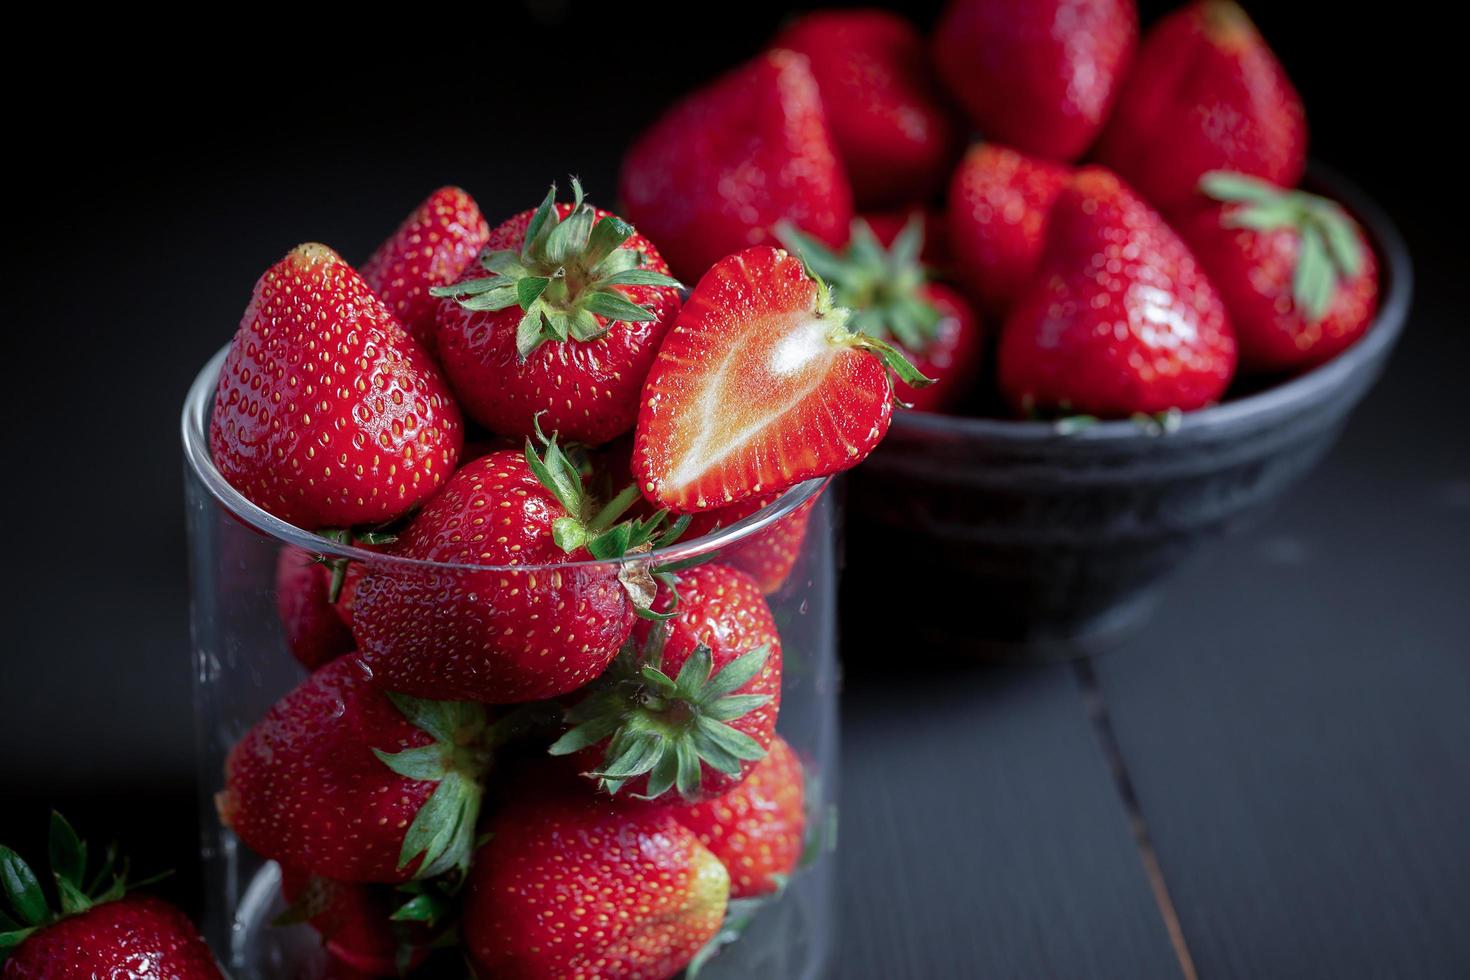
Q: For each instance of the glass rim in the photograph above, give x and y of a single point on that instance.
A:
(199, 403)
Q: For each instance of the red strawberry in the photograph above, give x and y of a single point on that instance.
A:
(572, 886)
(887, 225)
(767, 555)
(317, 629)
(892, 132)
(998, 204)
(759, 386)
(720, 168)
(560, 318)
(1039, 75)
(757, 830)
(1120, 320)
(344, 781)
(692, 701)
(1205, 93)
(100, 932)
(327, 413)
(498, 634)
(357, 923)
(1297, 274)
(893, 300)
(435, 243)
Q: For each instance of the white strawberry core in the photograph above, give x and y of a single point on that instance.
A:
(755, 384)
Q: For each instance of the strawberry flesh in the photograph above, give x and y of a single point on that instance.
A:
(758, 387)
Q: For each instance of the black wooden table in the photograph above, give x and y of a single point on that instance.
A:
(1270, 780)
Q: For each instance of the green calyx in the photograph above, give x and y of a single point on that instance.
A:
(883, 287)
(590, 523)
(880, 289)
(667, 728)
(565, 278)
(27, 908)
(443, 831)
(1330, 251)
(426, 916)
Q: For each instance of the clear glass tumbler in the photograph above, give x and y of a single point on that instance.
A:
(243, 666)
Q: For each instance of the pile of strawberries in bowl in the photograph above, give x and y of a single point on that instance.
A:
(1090, 235)
(1123, 236)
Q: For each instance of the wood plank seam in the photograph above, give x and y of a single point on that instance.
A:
(1097, 713)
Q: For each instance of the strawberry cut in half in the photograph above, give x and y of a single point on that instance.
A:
(760, 385)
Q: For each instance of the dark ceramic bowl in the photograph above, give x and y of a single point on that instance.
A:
(1055, 543)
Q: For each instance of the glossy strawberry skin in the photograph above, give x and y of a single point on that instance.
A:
(353, 920)
(1253, 270)
(1205, 93)
(304, 788)
(718, 422)
(115, 940)
(1039, 75)
(317, 629)
(769, 555)
(573, 886)
(758, 829)
(433, 247)
(952, 358)
(1120, 319)
(587, 391)
(999, 200)
(894, 135)
(717, 172)
(499, 635)
(327, 414)
(722, 608)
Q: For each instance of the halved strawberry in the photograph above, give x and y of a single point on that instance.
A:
(760, 385)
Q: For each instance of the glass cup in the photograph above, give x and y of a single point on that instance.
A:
(243, 666)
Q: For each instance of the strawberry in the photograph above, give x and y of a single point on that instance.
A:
(560, 318)
(1120, 320)
(894, 136)
(719, 169)
(342, 780)
(893, 300)
(573, 886)
(504, 634)
(767, 555)
(318, 630)
(380, 930)
(100, 930)
(759, 386)
(1295, 271)
(999, 200)
(432, 247)
(757, 829)
(1205, 93)
(692, 701)
(328, 414)
(1039, 75)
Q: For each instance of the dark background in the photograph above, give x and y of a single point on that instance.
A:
(158, 179)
